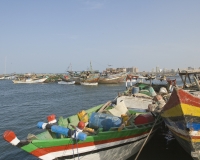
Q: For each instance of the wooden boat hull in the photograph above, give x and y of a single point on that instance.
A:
(181, 114)
(76, 79)
(92, 81)
(112, 144)
(112, 79)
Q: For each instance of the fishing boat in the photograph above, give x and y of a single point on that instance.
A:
(53, 78)
(66, 82)
(149, 86)
(140, 95)
(2, 77)
(105, 131)
(181, 114)
(29, 80)
(107, 78)
(7, 77)
(89, 78)
(73, 76)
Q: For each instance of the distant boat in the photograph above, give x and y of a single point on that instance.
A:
(89, 83)
(112, 78)
(65, 82)
(89, 77)
(11, 77)
(2, 77)
(29, 80)
(73, 76)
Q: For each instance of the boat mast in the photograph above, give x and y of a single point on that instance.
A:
(5, 66)
(90, 66)
(69, 67)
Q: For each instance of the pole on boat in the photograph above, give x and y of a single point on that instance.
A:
(146, 138)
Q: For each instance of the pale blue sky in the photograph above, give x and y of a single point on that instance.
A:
(45, 36)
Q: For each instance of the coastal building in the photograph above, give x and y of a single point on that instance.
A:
(132, 70)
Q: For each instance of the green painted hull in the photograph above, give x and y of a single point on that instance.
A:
(99, 145)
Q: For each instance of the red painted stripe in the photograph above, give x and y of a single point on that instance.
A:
(188, 98)
(179, 96)
(42, 151)
(173, 101)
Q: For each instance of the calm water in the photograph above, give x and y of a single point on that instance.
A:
(23, 105)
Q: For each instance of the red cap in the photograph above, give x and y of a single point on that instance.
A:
(51, 118)
(81, 125)
(9, 135)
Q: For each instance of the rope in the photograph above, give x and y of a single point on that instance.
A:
(73, 150)
(147, 138)
(66, 147)
(76, 146)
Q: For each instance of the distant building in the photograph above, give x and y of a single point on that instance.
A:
(132, 70)
(115, 70)
(190, 68)
(121, 69)
(157, 70)
(173, 70)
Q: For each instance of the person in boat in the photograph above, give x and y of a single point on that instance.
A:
(172, 84)
(87, 74)
(130, 77)
(157, 106)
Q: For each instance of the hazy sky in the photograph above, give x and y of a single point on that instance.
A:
(45, 36)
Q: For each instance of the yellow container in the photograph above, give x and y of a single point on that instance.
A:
(88, 130)
(83, 116)
(125, 118)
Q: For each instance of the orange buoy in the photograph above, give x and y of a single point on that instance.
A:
(81, 125)
(51, 118)
(10, 137)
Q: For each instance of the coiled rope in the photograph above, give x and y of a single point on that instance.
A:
(147, 137)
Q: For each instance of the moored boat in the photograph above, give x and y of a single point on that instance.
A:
(89, 78)
(181, 114)
(66, 82)
(74, 76)
(29, 80)
(112, 78)
(89, 83)
(97, 133)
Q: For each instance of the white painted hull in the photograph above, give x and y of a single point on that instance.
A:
(119, 150)
(89, 84)
(30, 81)
(63, 82)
